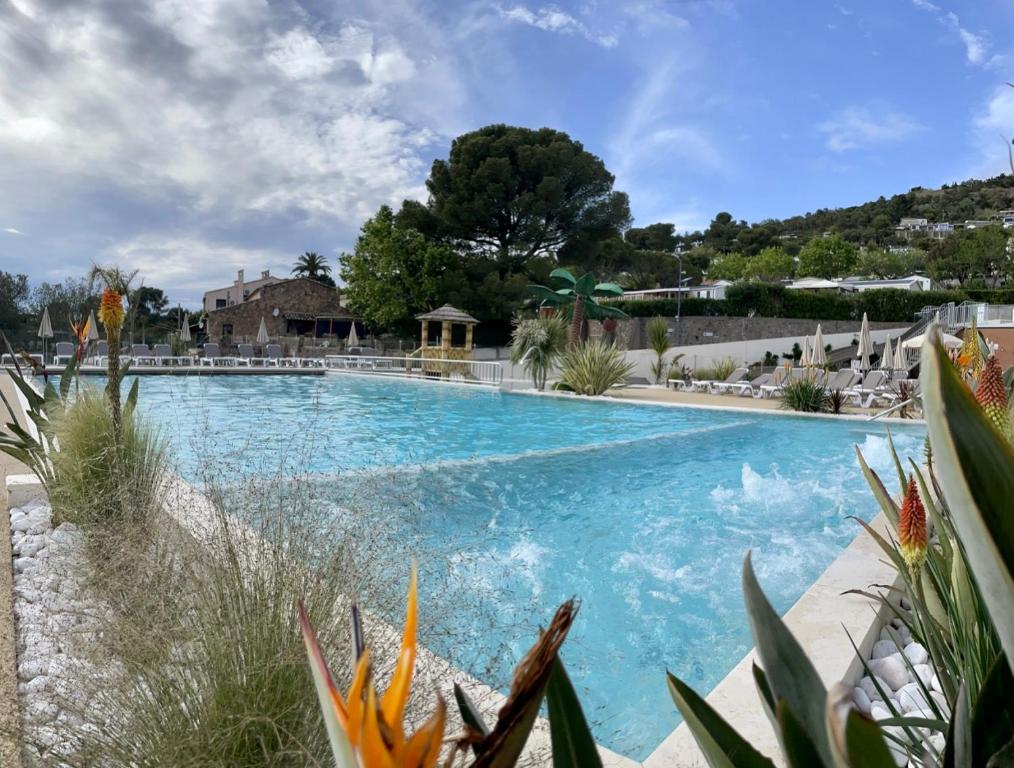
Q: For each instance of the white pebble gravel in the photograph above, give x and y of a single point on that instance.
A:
(55, 618)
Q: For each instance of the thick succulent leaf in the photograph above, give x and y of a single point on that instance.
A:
(975, 466)
(764, 689)
(69, 371)
(471, 717)
(797, 746)
(993, 716)
(865, 743)
(958, 753)
(327, 695)
(902, 480)
(35, 400)
(573, 744)
(561, 273)
(721, 745)
(131, 404)
(791, 675)
(880, 493)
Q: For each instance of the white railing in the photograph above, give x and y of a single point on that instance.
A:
(961, 315)
(435, 369)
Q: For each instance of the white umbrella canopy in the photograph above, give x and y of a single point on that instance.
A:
(185, 328)
(353, 336)
(819, 355)
(45, 330)
(887, 358)
(900, 361)
(951, 342)
(262, 333)
(865, 344)
(93, 328)
(805, 358)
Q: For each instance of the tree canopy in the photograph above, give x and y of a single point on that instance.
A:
(512, 194)
(828, 257)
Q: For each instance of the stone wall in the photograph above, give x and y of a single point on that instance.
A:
(300, 296)
(632, 333)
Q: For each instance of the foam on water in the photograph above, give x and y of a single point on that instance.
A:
(513, 504)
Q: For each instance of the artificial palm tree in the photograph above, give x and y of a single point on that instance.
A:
(311, 264)
(581, 293)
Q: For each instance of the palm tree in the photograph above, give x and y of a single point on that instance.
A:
(311, 264)
(537, 343)
(580, 292)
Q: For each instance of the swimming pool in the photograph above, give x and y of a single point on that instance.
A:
(642, 512)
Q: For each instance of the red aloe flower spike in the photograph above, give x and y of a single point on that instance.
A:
(992, 396)
(912, 527)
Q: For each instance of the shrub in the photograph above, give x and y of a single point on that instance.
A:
(591, 369)
(658, 340)
(102, 478)
(836, 401)
(805, 395)
(537, 343)
(719, 370)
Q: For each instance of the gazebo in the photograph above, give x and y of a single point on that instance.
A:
(446, 335)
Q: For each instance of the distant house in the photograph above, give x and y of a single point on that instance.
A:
(707, 290)
(238, 292)
(297, 307)
(812, 284)
(910, 283)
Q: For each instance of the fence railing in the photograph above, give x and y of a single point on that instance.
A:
(961, 315)
(436, 369)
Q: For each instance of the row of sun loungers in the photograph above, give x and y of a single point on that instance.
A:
(875, 388)
(161, 355)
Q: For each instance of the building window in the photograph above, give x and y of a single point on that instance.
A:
(227, 329)
(219, 303)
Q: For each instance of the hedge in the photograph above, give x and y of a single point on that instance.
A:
(888, 305)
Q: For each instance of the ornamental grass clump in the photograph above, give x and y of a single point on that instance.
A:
(537, 344)
(593, 368)
(806, 396)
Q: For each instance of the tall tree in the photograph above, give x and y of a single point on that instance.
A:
(13, 300)
(827, 257)
(721, 234)
(512, 193)
(654, 237)
(728, 266)
(311, 264)
(770, 265)
(394, 273)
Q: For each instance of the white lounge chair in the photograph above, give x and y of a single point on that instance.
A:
(779, 379)
(140, 354)
(213, 356)
(736, 377)
(700, 385)
(843, 379)
(247, 356)
(749, 388)
(65, 350)
(274, 358)
(865, 394)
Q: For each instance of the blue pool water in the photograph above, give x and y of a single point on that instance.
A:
(642, 512)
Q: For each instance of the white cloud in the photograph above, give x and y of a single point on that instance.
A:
(859, 127)
(12, 231)
(992, 130)
(976, 46)
(552, 19)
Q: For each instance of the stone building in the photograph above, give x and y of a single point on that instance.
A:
(238, 292)
(297, 307)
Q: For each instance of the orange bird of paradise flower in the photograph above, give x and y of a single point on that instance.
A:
(367, 730)
(81, 334)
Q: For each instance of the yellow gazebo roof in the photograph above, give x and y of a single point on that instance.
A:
(447, 312)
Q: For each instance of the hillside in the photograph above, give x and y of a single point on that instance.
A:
(871, 223)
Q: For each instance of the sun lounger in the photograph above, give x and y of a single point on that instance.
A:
(734, 378)
(247, 356)
(865, 394)
(65, 350)
(701, 385)
(274, 352)
(140, 354)
(213, 356)
(842, 380)
(779, 379)
(747, 388)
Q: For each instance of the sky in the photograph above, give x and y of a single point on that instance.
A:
(192, 138)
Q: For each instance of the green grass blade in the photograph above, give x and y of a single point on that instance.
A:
(470, 716)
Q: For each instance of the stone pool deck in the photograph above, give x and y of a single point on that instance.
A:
(660, 395)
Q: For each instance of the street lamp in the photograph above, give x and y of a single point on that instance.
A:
(679, 294)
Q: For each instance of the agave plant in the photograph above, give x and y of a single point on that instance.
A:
(959, 583)
(593, 368)
(366, 730)
(580, 294)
